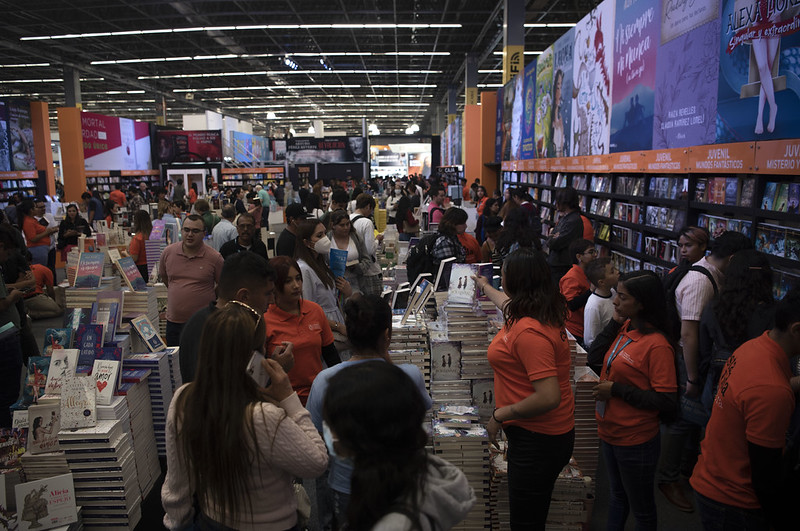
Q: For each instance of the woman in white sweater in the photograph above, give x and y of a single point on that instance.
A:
(233, 447)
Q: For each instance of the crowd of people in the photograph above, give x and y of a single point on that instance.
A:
(694, 374)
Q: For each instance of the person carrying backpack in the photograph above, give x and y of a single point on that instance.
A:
(689, 290)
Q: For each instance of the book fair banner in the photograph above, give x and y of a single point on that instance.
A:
(190, 146)
(306, 150)
(112, 143)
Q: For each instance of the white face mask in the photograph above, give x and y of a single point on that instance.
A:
(323, 246)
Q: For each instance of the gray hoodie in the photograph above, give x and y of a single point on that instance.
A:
(446, 501)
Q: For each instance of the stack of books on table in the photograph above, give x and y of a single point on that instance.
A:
(501, 512)
(577, 354)
(447, 387)
(572, 499)
(85, 297)
(587, 442)
(175, 378)
(40, 466)
(161, 302)
(410, 345)
(102, 463)
(135, 303)
(462, 441)
(122, 342)
(160, 387)
(153, 250)
(455, 392)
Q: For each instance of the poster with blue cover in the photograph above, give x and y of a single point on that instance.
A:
(636, 33)
(759, 71)
(498, 127)
(544, 101)
(561, 113)
(528, 113)
(686, 75)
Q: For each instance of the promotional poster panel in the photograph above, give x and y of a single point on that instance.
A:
(498, 128)
(249, 148)
(112, 143)
(686, 75)
(190, 146)
(759, 70)
(541, 81)
(306, 150)
(561, 114)
(517, 112)
(20, 135)
(455, 141)
(592, 74)
(5, 154)
(636, 37)
(508, 110)
(530, 116)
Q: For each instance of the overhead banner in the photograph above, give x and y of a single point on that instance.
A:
(517, 115)
(5, 152)
(189, 146)
(250, 148)
(329, 149)
(561, 114)
(498, 127)
(20, 136)
(113, 143)
(636, 38)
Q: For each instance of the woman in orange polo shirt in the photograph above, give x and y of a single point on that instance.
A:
(37, 236)
(142, 226)
(535, 405)
(637, 382)
(301, 322)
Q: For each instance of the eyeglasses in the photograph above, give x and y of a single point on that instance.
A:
(193, 231)
(252, 310)
(590, 251)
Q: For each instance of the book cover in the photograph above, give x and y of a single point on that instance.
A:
(700, 190)
(769, 195)
(102, 239)
(107, 314)
(90, 270)
(101, 317)
(781, 198)
(114, 255)
(462, 287)
(107, 297)
(78, 403)
(130, 274)
(338, 262)
(793, 206)
(14, 440)
(62, 367)
(148, 333)
(88, 338)
(445, 360)
(108, 353)
(106, 375)
(732, 191)
(76, 316)
(36, 379)
(46, 503)
(792, 245)
(56, 339)
(158, 230)
(748, 192)
(44, 421)
(89, 245)
(718, 185)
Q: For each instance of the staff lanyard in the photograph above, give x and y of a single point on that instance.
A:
(617, 350)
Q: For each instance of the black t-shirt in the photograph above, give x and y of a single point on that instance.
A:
(190, 341)
(233, 247)
(285, 244)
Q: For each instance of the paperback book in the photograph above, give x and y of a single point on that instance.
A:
(462, 288)
(109, 315)
(62, 367)
(130, 274)
(90, 270)
(44, 421)
(445, 360)
(46, 503)
(106, 375)
(338, 262)
(78, 403)
(56, 338)
(76, 316)
(145, 329)
(88, 339)
(36, 379)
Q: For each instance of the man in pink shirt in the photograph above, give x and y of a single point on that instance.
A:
(436, 208)
(190, 269)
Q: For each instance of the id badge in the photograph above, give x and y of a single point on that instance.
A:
(600, 408)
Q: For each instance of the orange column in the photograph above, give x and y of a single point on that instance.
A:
(72, 164)
(488, 118)
(40, 123)
(472, 143)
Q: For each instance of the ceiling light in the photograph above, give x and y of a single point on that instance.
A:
(490, 71)
(264, 87)
(292, 131)
(489, 85)
(550, 25)
(271, 115)
(25, 65)
(526, 53)
(311, 130)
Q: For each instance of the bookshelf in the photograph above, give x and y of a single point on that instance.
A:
(241, 176)
(105, 180)
(638, 201)
(25, 183)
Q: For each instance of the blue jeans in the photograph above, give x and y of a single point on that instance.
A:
(534, 462)
(631, 478)
(340, 502)
(718, 516)
(174, 330)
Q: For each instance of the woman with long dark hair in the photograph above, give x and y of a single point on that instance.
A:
(407, 224)
(142, 227)
(70, 228)
(372, 415)
(233, 448)
(744, 309)
(345, 238)
(109, 209)
(516, 234)
(637, 382)
(453, 223)
(490, 208)
(369, 328)
(535, 405)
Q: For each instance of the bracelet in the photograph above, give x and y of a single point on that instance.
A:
(495, 418)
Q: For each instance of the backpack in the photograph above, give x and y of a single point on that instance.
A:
(671, 282)
(420, 257)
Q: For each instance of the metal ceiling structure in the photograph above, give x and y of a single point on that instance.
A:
(278, 64)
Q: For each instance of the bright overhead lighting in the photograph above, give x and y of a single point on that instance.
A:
(25, 65)
(55, 80)
(550, 25)
(526, 53)
(257, 55)
(289, 72)
(271, 115)
(236, 28)
(311, 130)
(490, 71)
(263, 87)
(489, 85)
(404, 86)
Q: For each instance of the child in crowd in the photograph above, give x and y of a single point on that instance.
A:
(575, 287)
(600, 306)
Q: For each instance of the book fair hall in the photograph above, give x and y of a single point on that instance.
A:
(400, 265)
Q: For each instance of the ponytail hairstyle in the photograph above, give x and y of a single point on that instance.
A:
(367, 318)
(648, 290)
(305, 229)
(529, 284)
(376, 412)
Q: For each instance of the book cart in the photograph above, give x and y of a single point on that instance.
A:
(638, 201)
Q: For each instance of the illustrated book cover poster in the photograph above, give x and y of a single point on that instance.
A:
(445, 360)
(637, 27)
(530, 147)
(148, 333)
(44, 421)
(36, 379)
(759, 97)
(90, 270)
(63, 363)
(686, 75)
(78, 403)
(56, 338)
(46, 503)
(561, 113)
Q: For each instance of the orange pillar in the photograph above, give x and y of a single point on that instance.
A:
(488, 118)
(472, 143)
(72, 164)
(40, 123)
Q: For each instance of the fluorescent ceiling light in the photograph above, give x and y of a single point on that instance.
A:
(288, 72)
(403, 86)
(263, 87)
(55, 80)
(550, 24)
(236, 28)
(489, 85)
(526, 53)
(25, 65)
(259, 55)
(490, 71)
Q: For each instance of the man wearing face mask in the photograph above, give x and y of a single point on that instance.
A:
(245, 241)
(286, 241)
(371, 283)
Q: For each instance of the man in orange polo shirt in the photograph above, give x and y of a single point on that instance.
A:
(118, 196)
(738, 479)
(575, 286)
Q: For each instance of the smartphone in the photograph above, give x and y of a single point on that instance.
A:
(256, 370)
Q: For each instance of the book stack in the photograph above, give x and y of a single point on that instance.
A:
(410, 345)
(153, 250)
(122, 342)
(136, 303)
(102, 464)
(85, 297)
(457, 392)
(160, 390)
(572, 499)
(459, 439)
(501, 511)
(40, 466)
(175, 378)
(137, 401)
(587, 442)
(161, 302)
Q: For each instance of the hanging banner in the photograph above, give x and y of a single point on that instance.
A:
(307, 150)
(636, 37)
(189, 146)
(544, 101)
(5, 152)
(592, 74)
(517, 116)
(759, 92)
(20, 136)
(498, 127)
(249, 148)
(113, 143)
(561, 114)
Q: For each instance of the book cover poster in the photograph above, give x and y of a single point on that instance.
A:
(517, 116)
(635, 52)
(445, 360)
(530, 120)
(483, 397)
(88, 339)
(131, 275)
(508, 115)
(561, 123)
(686, 76)
(544, 101)
(498, 127)
(44, 421)
(20, 135)
(759, 92)
(592, 72)
(462, 287)
(62, 367)
(46, 503)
